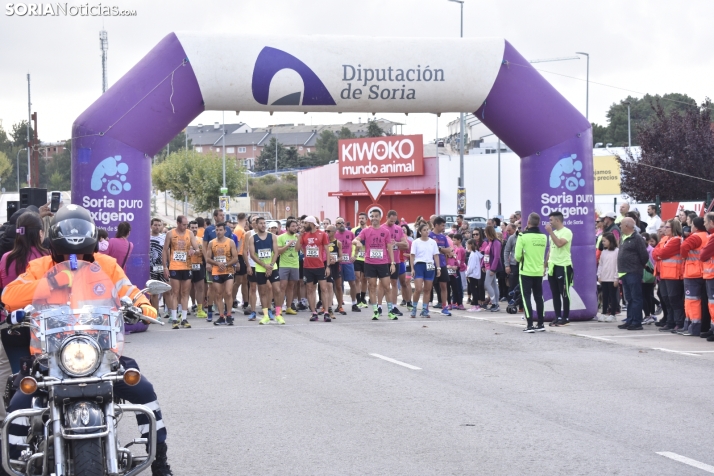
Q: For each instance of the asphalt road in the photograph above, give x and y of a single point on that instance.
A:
(479, 397)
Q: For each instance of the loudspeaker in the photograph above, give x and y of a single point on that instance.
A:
(12, 207)
(33, 196)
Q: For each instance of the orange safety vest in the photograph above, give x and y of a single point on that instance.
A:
(692, 266)
(708, 266)
(671, 268)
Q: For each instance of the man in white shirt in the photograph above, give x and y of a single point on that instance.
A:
(654, 221)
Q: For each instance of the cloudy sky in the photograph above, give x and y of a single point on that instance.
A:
(647, 46)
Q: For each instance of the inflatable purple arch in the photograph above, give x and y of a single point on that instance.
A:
(187, 73)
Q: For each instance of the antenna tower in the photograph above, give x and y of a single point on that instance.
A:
(104, 46)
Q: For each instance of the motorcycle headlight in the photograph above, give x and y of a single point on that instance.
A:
(79, 356)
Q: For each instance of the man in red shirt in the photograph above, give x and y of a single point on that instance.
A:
(315, 246)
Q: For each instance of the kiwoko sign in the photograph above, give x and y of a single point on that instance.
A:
(391, 156)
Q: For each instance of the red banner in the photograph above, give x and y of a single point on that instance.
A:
(390, 156)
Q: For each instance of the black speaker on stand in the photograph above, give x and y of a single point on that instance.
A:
(33, 196)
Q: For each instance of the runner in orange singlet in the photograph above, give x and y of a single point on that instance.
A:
(179, 246)
(222, 255)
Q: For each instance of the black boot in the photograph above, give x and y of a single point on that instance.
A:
(160, 466)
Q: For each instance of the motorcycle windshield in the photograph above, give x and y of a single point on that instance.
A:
(76, 301)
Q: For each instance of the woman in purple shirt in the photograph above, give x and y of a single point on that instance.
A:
(491, 262)
(120, 247)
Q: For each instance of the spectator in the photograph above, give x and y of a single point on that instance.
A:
(530, 253)
(693, 281)
(707, 259)
(654, 221)
(648, 284)
(103, 242)
(510, 257)
(631, 261)
(669, 269)
(639, 224)
(473, 274)
(608, 278)
(624, 208)
(560, 267)
(492, 263)
(120, 247)
(609, 226)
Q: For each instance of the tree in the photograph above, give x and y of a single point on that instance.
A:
(176, 144)
(270, 186)
(326, 146)
(677, 141)
(373, 129)
(266, 159)
(59, 169)
(197, 176)
(19, 134)
(5, 167)
(599, 133)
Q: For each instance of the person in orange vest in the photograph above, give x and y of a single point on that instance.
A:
(693, 281)
(670, 267)
(707, 258)
(72, 232)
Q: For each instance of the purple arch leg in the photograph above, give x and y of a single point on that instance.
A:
(554, 142)
(116, 137)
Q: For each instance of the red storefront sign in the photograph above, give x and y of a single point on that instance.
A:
(391, 156)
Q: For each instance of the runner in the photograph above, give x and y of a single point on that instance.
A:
(208, 235)
(334, 258)
(347, 264)
(264, 251)
(360, 278)
(222, 255)
(422, 260)
(240, 281)
(198, 274)
(316, 248)
(289, 264)
(400, 243)
(181, 245)
(379, 260)
(156, 252)
(437, 234)
(250, 269)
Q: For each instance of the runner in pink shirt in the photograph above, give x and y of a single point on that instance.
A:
(347, 267)
(400, 243)
(378, 259)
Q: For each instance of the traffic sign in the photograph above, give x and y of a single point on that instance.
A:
(375, 187)
(488, 204)
(287, 208)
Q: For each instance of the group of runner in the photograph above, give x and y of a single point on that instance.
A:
(299, 268)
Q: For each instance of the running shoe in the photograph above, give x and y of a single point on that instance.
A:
(248, 312)
(375, 316)
(658, 311)
(379, 309)
(280, 320)
(253, 316)
(229, 320)
(210, 317)
(413, 313)
(319, 304)
(495, 308)
(185, 324)
(331, 313)
(409, 305)
(327, 318)
(460, 307)
(649, 320)
(404, 303)
(341, 311)
(314, 317)
(529, 330)
(540, 328)
(392, 316)
(562, 322)
(356, 308)
(424, 313)
(235, 303)
(264, 320)
(175, 324)
(362, 304)
(474, 309)
(445, 312)
(395, 310)
(221, 321)
(437, 305)
(290, 311)
(194, 307)
(201, 314)
(301, 307)
(271, 315)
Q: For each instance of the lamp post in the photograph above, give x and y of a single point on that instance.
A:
(224, 150)
(629, 133)
(18, 168)
(587, 82)
(461, 117)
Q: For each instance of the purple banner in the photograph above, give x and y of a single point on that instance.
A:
(561, 178)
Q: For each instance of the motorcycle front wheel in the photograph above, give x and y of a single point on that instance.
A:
(88, 457)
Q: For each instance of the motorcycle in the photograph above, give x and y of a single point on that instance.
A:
(77, 338)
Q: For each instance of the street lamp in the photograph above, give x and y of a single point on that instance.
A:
(587, 83)
(461, 117)
(629, 134)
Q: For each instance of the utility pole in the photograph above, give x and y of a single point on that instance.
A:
(29, 122)
(224, 151)
(104, 46)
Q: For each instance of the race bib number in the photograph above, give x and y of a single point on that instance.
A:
(265, 253)
(220, 259)
(179, 256)
(158, 269)
(486, 259)
(345, 258)
(333, 256)
(452, 272)
(196, 267)
(360, 254)
(312, 252)
(430, 267)
(376, 254)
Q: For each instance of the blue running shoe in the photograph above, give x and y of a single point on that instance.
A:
(209, 317)
(413, 313)
(445, 312)
(424, 313)
(252, 316)
(271, 316)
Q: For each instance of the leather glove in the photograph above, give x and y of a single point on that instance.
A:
(148, 310)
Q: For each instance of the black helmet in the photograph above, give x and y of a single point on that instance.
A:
(72, 231)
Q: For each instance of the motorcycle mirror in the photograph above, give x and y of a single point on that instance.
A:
(29, 309)
(155, 287)
(125, 301)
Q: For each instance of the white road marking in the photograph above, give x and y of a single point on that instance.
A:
(675, 352)
(627, 336)
(395, 362)
(593, 337)
(689, 461)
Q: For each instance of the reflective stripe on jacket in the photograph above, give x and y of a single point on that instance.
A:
(692, 265)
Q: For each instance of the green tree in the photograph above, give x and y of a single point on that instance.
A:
(266, 159)
(177, 143)
(5, 167)
(59, 169)
(373, 129)
(326, 146)
(270, 186)
(599, 133)
(19, 134)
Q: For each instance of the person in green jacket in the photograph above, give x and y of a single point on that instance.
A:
(530, 254)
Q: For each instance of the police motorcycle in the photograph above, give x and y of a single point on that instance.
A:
(77, 337)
